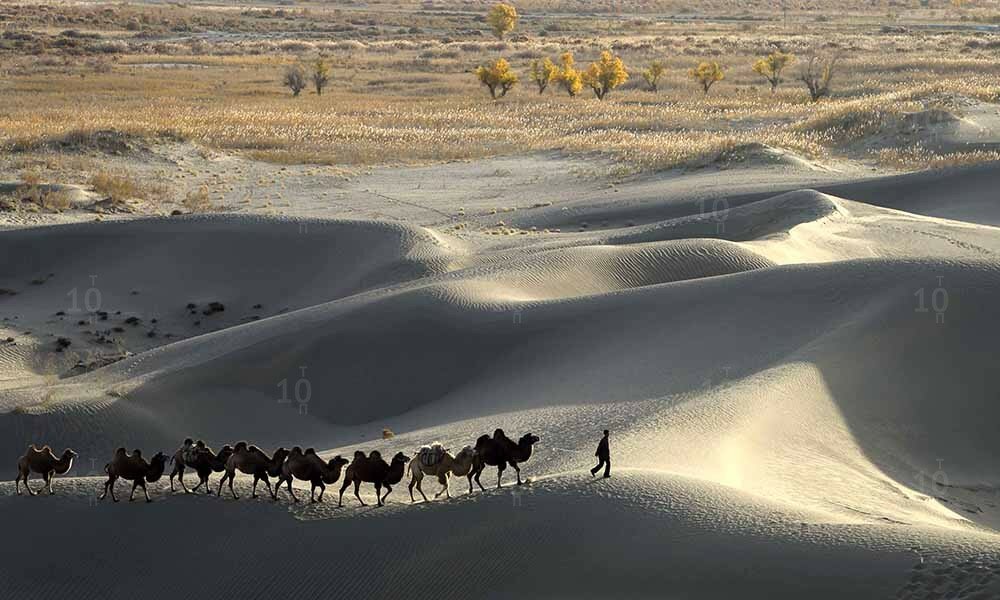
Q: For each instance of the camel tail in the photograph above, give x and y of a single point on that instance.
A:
(107, 468)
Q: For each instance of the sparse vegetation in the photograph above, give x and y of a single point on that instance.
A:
(542, 73)
(816, 74)
(570, 80)
(652, 75)
(605, 75)
(502, 19)
(771, 66)
(320, 75)
(117, 188)
(294, 79)
(497, 77)
(706, 74)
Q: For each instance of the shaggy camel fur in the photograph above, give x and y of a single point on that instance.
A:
(372, 469)
(44, 463)
(135, 469)
(252, 461)
(198, 456)
(499, 451)
(308, 466)
(458, 465)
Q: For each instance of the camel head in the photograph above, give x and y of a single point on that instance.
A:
(120, 453)
(69, 454)
(156, 467)
(400, 459)
(296, 452)
(359, 455)
(528, 440)
(65, 463)
(188, 442)
(466, 454)
(280, 455)
(499, 434)
(337, 462)
(310, 452)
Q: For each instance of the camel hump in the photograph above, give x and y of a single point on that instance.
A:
(375, 455)
(359, 455)
(483, 439)
(310, 452)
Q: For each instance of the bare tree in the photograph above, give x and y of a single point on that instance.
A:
(295, 79)
(816, 74)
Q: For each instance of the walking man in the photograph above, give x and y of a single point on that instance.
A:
(603, 455)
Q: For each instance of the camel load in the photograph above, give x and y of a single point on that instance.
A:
(431, 455)
(434, 459)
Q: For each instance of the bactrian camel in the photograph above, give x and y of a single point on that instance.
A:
(448, 465)
(45, 464)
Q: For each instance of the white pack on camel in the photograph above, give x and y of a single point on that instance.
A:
(431, 455)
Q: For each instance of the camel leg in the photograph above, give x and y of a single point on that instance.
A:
(231, 489)
(144, 490)
(135, 484)
(343, 487)
(517, 469)
(255, 480)
(357, 488)
(500, 469)
(388, 490)
(413, 481)
(378, 493)
(17, 484)
(48, 481)
(267, 484)
(322, 488)
(420, 488)
(221, 481)
(291, 492)
(479, 483)
(443, 480)
(202, 482)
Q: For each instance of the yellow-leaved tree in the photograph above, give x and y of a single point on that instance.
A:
(707, 73)
(320, 75)
(543, 72)
(497, 77)
(502, 18)
(605, 75)
(570, 79)
(771, 66)
(652, 75)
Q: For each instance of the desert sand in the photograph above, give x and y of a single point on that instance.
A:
(796, 367)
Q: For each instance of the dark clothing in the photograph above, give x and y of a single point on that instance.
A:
(602, 449)
(604, 462)
(603, 455)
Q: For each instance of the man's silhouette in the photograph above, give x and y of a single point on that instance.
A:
(603, 455)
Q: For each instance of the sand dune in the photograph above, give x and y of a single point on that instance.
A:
(799, 388)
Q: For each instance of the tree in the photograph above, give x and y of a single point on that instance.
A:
(502, 18)
(498, 77)
(543, 72)
(320, 75)
(605, 75)
(770, 68)
(652, 75)
(816, 74)
(570, 79)
(707, 73)
(295, 79)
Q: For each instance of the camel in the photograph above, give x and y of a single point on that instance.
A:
(45, 463)
(458, 465)
(199, 457)
(308, 466)
(134, 468)
(373, 469)
(252, 461)
(499, 451)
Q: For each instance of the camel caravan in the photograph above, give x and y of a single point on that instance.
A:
(285, 466)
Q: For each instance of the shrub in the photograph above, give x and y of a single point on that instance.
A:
(605, 75)
(770, 67)
(197, 200)
(543, 72)
(502, 18)
(652, 75)
(294, 79)
(116, 188)
(706, 74)
(570, 79)
(816, 74)
(320, 75)
(497, 77)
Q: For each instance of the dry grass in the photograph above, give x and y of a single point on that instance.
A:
(412, 98)
(118, 187)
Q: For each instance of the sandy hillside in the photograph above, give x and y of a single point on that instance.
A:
(799, 385)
